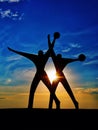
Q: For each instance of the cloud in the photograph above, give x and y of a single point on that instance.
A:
(87, 90)
(16, 71)
(8, 13)
(92, 59)
(92, 90)
(13, 58)
(91, 62)
(19, 76)
(10, 1)
(7, 10)
(8, 81)
(24, 74)
(66, 50)
(75, 45)
(89, 30)
(72, 47)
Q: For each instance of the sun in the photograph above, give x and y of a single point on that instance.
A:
(52, 75)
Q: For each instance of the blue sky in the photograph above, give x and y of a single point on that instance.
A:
(24, 26)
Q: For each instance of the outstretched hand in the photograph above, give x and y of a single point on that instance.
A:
(49, 42)
(81, 57)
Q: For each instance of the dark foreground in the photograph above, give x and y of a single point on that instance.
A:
(45, 118)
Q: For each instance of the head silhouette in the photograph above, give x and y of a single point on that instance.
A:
(56, 35)
(82, 57)
(40, 53)
(59, 56)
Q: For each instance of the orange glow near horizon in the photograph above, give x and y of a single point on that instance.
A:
(17, 97)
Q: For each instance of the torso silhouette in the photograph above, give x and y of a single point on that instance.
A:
(39, 60)
(60, 63)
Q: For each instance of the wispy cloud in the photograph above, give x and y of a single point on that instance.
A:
(91, 90)
(82, 32)
(87, 90)
(75, 45)
(13, 58)
(24, 74)
(16, 71)
(66, 50)
(71, 47)
(91, 62)
(8, 13)
(20, 76)
(10, 1)
(92, 59)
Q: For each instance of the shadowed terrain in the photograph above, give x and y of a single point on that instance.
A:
(45, 118)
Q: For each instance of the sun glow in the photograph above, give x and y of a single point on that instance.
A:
(52, 75)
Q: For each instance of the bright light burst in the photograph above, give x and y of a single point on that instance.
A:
(52, 75)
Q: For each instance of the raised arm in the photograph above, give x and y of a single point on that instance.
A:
(51, 45)
(27, 55)
(81, 58)
(49, 42)
(50, 51)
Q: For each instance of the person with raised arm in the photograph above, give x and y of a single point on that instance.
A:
(40, 62)
(60, 63)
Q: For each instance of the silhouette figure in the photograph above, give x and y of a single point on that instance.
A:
(39, 61)
(60, 64)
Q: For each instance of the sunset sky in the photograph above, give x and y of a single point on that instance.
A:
(24, 26)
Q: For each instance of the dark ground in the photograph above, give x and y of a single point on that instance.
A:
(45, 118)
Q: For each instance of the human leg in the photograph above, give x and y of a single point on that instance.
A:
(32, 91)
(52, 92)
(54, 86)
(69, 91)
